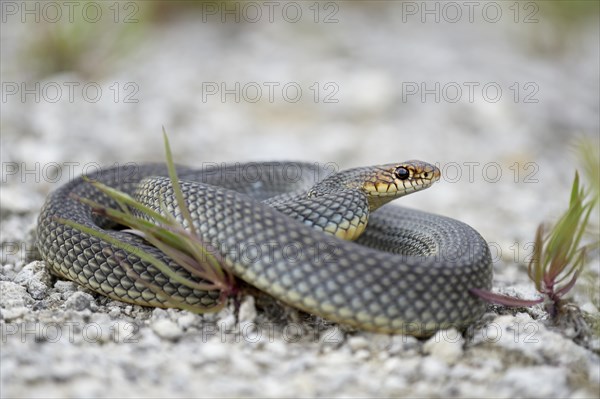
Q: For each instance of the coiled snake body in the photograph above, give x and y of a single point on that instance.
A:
(283, 228)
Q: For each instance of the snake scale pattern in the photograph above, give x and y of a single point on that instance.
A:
(328, 245)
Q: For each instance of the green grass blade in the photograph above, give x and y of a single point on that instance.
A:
(586, 211)
(165, 238)
(194, 267)
(142, 225)
(575, 189)
(130, 201)
(535, 269)
(185, 212)
(161, 229)
(104, 188)
(145, 256)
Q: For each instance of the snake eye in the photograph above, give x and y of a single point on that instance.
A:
(402, 173)
(425, 175)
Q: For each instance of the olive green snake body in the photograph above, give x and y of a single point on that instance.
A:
(273, 224)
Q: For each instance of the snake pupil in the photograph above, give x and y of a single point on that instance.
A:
(402, 173)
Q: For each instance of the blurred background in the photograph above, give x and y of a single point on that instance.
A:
(496, 93)
(502, 95)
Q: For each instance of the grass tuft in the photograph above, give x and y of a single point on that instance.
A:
(559, 256)
(183, 246)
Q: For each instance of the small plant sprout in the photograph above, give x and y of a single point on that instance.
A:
(558, 257)
(208, 271)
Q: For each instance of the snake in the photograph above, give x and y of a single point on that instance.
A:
(325, 242)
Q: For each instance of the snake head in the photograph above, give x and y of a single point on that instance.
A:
(382, 183)
(388, 182)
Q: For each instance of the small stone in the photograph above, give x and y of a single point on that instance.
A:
(337, 359)
(13, 295)
(114, 312)
(122, 332)
(539, 382)
(158, 314)
(36, 278)
(594, 344)
(24, 275)
(446, 345)
(433, 369)
(357, 343)
(589, 308)
(394, 383)
(583, 393)
(248, 332)
(402, 343)
(213, 351)
(227, 323)
(277, 347)
(332, 337)
(382, 356)
(247, 309)
(187, 319)
(13, 313)
(80, 301)
(166, 329)
(245, 365)
(392, 364)
(52, 301)
(64, 286)
(362, 354)
(378, 342)
(37, 289)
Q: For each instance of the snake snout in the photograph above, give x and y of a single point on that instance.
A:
(421, 172)
(437, 174)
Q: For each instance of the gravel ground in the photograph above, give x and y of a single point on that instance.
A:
(506, 161)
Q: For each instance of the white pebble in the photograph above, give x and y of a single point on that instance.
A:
(357, 342)
(80, 301)
(540, 381)
(247, 310)
(36, 278)
(589, 308)
(277, 347)
(167, 329)
(227, 323)
(362, 354)
(13, 295)
(214, 350)
(332, 337)
(187, 319)
(158, 313)
(64, 286)
(13, 313)
(114, 312)
(433, 369)
(446, 345)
